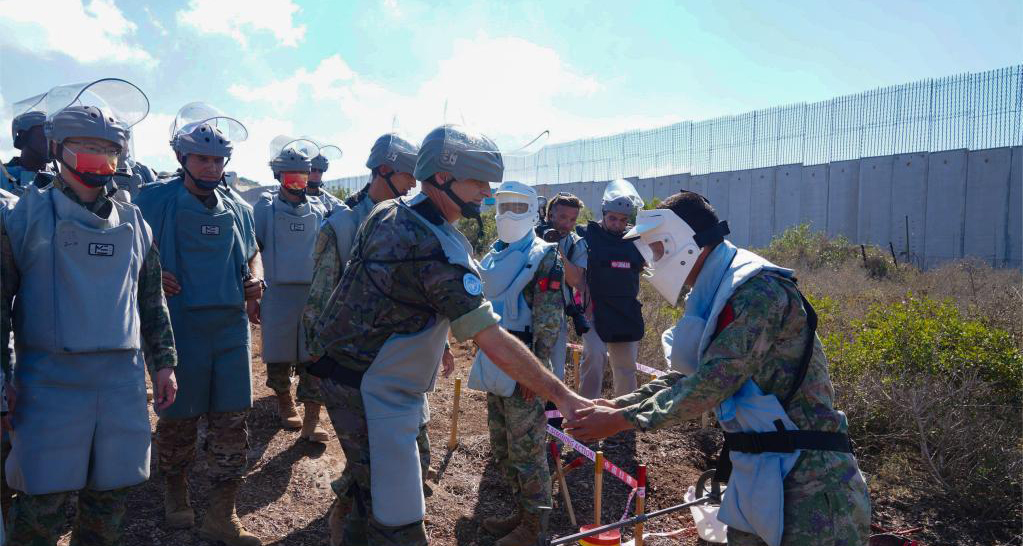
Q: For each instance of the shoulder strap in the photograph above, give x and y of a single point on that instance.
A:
(804, 362)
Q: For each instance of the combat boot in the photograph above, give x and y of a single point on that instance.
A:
(502, 525)
(336, 520)
(525, 534)
(311, 429)
(176, 509)
(221, 522)
(287, 411)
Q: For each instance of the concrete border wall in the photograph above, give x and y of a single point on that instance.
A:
(930, 207)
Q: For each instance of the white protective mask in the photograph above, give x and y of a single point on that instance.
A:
(662, 227)
(517, 211)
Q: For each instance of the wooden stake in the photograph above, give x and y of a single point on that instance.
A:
(562, 484)
(575, 362)
(640, 504)
(598, 486)
(453, 440)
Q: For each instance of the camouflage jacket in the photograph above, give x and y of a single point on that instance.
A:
(157, 335)
(764, 342)
(408, 284)
(548, 306)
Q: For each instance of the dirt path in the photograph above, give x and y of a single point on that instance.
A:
(286, 494)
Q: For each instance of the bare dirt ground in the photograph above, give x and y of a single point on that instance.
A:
(286, 494)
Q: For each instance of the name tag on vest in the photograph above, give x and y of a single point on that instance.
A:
(297, 227)
(210, 230)
(621, 264)
(101, 249)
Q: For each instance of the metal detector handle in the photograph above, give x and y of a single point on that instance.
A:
(714, 494)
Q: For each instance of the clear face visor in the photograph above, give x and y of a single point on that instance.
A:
(116, 97)
(512, 207)
(194, 114)
(300, 146)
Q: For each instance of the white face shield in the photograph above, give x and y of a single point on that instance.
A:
(667, 244)
(517, 211)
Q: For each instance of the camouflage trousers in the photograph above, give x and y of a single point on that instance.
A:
(518, 436)
(348, 416)
(826, 503)
(226, 444)
(38, 520)
(278, 378)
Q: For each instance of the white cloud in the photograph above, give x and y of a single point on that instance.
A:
(325, 82)
(238, 18)
(510, 88)
(93, 32)
(392, 8)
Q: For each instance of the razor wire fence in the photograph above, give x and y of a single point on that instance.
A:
(972, 111)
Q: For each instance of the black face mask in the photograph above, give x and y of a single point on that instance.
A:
(296, 193)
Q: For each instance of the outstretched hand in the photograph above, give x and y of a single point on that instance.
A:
(596, 422)
(572, 404)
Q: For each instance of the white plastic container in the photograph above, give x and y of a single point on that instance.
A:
(706, 518)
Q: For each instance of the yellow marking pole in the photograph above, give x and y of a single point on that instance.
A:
(598, 486)
(575, 361)
(453, 440)
(640, 504)
(562, 484)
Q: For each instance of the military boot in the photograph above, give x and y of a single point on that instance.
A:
(221, 522)
(311, 429)
(176, 509)
(525, 534)
(336, 520)
(287, 411)
(502, 525)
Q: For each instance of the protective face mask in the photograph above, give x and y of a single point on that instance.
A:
(513, 226)
(295, 180)
(94, 170)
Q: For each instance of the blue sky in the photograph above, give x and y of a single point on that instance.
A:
(342, 71)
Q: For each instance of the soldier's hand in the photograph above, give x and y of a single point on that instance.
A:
(12, 401)
(253, 289)
(571, 403)
(166, 389)
(170, 284)
(604, 403)
(447, 362)
(594, 423)
(527, 394)
(254, 311)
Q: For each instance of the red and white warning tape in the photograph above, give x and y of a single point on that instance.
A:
(609, 467)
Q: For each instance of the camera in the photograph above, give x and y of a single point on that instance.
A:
(579, 322)
(551, 235)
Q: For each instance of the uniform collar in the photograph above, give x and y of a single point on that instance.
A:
(428, 210)
(100, 207)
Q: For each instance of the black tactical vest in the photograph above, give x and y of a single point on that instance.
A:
(612, 274)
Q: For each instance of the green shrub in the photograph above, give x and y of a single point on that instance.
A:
(925, 336)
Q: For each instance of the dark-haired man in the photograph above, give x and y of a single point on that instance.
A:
(746, 347)
(562, 215)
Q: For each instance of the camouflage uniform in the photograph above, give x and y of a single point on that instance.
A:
(826, 499)
(517, 426)
(358, 320)
(330, 257)
(226, 443)
(227, 440)
(37, 519)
